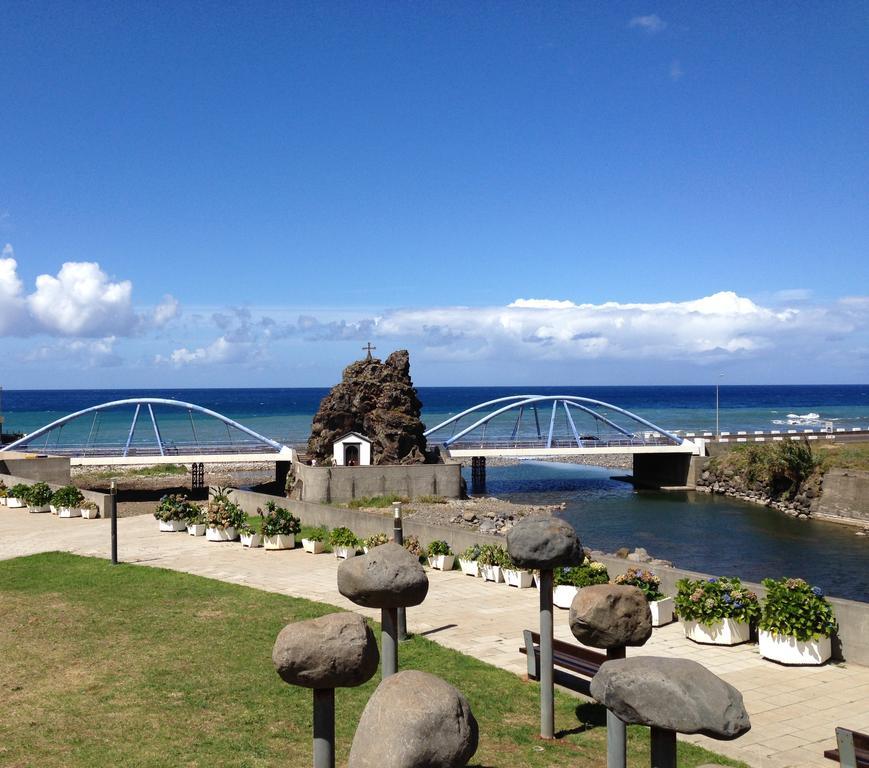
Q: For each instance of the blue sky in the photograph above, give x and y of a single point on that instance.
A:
(198, 194)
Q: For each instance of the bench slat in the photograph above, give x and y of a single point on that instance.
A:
(581, 664)
(853, 750)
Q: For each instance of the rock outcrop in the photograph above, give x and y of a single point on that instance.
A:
(376, 399)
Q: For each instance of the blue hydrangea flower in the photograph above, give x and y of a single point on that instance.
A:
(737, 605)
(727, 598)
(818, 591)
(712, 580)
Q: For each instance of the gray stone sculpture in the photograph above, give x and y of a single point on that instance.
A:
(336, 650)
(546, 543)
(671, 696)
(389, 578)
(414, 719)
(610, 616)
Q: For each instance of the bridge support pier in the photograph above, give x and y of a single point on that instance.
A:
(665, 470)
(478, 472)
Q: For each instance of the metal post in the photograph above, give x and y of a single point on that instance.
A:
(398, 535)
(389, 641)
(616, 731)
(663, 748)
(547, 687)
(324, 728)
(113, 504)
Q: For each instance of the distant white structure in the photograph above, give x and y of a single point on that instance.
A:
(352, 450)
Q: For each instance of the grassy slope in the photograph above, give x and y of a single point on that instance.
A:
(134, 666)
(844, 456)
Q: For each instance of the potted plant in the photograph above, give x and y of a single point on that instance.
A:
(196, 521)
(514, 576)
(440, 556)
(567, 581)
(660, 605)
(314, 542)
(89, 509)
(38, 498)
(67, 501)
(796, 623)
(412, 545)
(374, 541)
(172, 512)
(223, 517)
(17, 496)
(344, 542)
(4, 492)
(491, 560)
(716, 611)
(468, 560)
(250, 537)
(279, 527)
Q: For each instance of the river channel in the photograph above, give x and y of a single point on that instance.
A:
(696, 531)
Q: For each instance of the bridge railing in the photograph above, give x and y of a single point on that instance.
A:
(589, 442)
(169, 449)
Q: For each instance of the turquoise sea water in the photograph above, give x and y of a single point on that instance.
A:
(695, 531)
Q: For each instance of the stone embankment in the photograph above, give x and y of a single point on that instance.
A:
(728, 482)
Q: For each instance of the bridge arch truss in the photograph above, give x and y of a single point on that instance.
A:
(40, 439)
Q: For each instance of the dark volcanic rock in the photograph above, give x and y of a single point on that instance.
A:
(414, 720)
(376, 399)
(387, 577)
(675, 694)
(610, 615)
(544, 543)
(337, 650)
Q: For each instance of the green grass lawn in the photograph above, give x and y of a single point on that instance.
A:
(134, 666)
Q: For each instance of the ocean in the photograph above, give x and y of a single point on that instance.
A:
(695, 531)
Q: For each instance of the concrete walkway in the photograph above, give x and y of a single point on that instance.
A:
(793, 710)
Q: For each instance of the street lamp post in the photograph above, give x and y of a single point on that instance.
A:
(717, 425)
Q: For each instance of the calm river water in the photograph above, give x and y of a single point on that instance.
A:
(694, 530)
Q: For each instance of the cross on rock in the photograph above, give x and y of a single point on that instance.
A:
(368, 349)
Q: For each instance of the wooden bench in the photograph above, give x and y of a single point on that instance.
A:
(853, 751)
(574, 666)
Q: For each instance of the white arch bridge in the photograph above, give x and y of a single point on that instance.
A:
(106, 439)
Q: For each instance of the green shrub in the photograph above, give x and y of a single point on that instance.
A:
(471, 553)
(795, 608)
(376, 502)
(343, 537)
(643, 580)
(711, 600)
(19, 491)
(174, 506)
(38, 495)
(438, 547)
(68, 496)
(587, 574)
(412, 545)
(320, 533)
(494, 554)
(378, 539)
(277, 521)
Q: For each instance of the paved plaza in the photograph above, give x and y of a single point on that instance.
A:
(793, 710)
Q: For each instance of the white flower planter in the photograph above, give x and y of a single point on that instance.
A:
(172, 526)
(517, 578)
(2, 501)
(491, 572)
(724, 632)
(252, 540)
(662, 611)
(314, 547)
(53, 509)
(281, 541)
(14, 503)
(89, 514)
(68, 512)
(563, 594)
(342, 553)
(196, 529)
(442, 562)
(788, 650)
(39, 509)
(469, 567)
(221, 534)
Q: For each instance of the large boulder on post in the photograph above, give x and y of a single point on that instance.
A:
(674, 694)
(387, 577)
(544, 542)
(414, 720)
(610, 616)
(335, 651)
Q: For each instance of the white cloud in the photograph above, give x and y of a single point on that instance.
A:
(82, 301)
(219, 352)
(794, 294)
(166, 310)
(13, 312)
(542, 304)
(83, 353)
(651, 23)
(676, 70)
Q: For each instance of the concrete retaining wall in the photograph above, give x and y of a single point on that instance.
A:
(102, 500)
(845, 493)
(322, 485)
(48, 469)
(663, 470)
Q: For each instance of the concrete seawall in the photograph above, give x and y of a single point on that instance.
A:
(845, 494)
